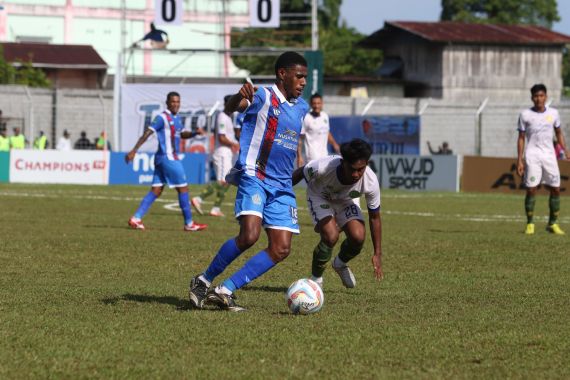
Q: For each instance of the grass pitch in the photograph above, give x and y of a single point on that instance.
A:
(466, 294)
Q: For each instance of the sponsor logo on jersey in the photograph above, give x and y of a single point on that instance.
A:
(354, 194)
(276, 111)
(256, 198)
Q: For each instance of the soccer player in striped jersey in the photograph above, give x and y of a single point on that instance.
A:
(167, 166)
(265, 197)
(537, 126)
(334, 187)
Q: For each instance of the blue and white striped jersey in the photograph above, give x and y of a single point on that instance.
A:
(269, 137)
(167, 128)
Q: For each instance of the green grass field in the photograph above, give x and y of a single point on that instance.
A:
(466, 294)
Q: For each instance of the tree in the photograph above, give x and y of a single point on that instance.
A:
(25, 75)
(534, 12)
(336, 42)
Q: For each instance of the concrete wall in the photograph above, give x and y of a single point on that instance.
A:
(502, 73)
(441, 120)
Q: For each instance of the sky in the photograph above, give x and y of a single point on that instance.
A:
(367, 16)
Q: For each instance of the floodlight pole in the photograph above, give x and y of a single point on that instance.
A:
(314, 26)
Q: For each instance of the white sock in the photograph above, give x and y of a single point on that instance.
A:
(223, 290)
(203, 279)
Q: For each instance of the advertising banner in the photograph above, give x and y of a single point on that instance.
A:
(422, 173)
(141, 169)
(499, 175)
(53, 166)
(4, 166)
(386, 134)
(141, 103)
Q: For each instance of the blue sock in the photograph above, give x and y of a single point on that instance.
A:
(253, 268)
(226, 254)
(145, 204)
(184, 204)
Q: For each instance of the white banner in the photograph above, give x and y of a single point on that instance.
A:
(264, 13)
(140, 103)
(168, 12)
(53, 166)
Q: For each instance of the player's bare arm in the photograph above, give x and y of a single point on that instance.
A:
(190, 134)
(334, 144)
(227, 142)
(131, 155)
(520, 152)
(562, 142)
(375, 220)
(239, 101)
(300, 161)
(298, 175)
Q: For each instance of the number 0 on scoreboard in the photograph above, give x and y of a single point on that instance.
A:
(264, 13)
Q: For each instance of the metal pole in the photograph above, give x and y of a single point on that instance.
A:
(314, 26)
(479, 130)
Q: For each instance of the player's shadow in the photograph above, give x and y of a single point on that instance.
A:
(179, 303)
(272, 289)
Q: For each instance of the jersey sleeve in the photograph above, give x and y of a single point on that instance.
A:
(371, 190)
(316, 168)
(157, 124)
(303, 129)
(221, 124)
(557, 119)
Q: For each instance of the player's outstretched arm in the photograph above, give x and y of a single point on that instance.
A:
(131, 155)
(190, 134)
(562, 142)
(334, 144)
(520, 151)
(298, 175)
(375, 220)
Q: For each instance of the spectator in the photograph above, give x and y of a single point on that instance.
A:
(4, 141)
(101, 143)
(41, 142)
(83, 142)
(2, 121)
(443, 149)
(158, 38)
(17, 141)
(64, 142)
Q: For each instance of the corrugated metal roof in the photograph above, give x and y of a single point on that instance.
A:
(48, 55)
(459, 32)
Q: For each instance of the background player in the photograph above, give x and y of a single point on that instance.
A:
(537, 125)
(167, 167)
(334, 187)
(316, 133)
(226, 145)
(265, 197)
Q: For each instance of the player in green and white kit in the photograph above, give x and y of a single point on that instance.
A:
(334, 187)
(537, 162)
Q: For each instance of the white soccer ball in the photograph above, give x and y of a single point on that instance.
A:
(305, 296)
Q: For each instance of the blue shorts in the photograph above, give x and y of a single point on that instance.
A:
(276, 207)
(169, 173)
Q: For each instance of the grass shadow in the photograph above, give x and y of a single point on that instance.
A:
(272, 289)
(179, 303)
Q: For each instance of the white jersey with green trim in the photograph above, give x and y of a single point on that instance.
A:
(224, 126)
(539, 131)
(322, 176)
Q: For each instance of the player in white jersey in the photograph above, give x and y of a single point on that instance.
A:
(316, 133)
(537, 160)
(334, 187)
(222, 159)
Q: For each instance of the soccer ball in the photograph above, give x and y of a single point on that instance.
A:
(305, 296)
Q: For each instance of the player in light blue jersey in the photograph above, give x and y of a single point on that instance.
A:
(265, 197)
(167, 166)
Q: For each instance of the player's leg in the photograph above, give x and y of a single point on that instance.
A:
(184, 203)
(223, 166)
(352, 223)
(158, 181)
(250, 200)
(328, 230)
(532, 178)
(280, 222)
(552, 180)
